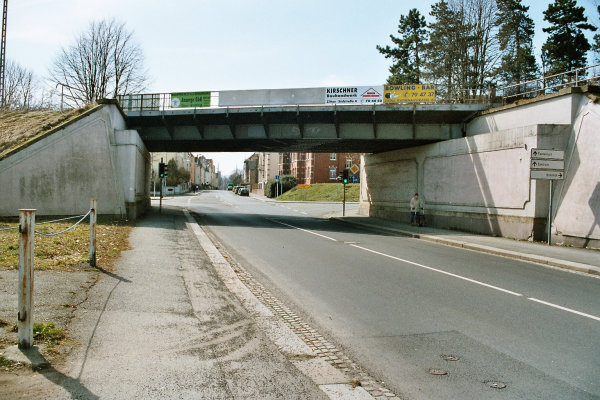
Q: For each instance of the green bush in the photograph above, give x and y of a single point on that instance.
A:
(286, 183)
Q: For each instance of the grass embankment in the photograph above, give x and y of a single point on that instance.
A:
(323, 192)
(69, 250)
(20, 126)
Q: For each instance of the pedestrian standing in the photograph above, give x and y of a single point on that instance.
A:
(416, 207)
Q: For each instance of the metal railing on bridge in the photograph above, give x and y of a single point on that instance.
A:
(551, 83)
(170, 101)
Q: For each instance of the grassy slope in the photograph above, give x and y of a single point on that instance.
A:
(323, 192)
(19, 126)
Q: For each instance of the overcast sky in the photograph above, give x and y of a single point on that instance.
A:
(193, 45)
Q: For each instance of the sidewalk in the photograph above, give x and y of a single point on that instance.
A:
(170, 322)
(582, 260)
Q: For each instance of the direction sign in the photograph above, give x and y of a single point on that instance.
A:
(544, 174)
(547, 164)
(547, 154)
(303, 186)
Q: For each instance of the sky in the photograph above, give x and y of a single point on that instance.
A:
(198, 45)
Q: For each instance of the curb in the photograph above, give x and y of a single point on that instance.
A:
(553, 262)
(334, 382)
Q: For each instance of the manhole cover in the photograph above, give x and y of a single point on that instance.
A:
(449, 357)
(496, 385)
(434, 371)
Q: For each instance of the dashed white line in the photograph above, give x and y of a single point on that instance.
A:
(303, 230)
(564, 308)
(439, 270)
(444, 272)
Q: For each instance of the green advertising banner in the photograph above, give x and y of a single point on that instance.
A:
(190, 99)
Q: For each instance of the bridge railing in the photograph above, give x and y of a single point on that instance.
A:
(551, 84)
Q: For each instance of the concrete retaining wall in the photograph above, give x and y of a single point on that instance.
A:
(92, 157)
(481, 183)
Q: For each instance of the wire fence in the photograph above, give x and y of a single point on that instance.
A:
(27, 232)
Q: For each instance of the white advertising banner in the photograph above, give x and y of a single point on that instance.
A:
(354, 95)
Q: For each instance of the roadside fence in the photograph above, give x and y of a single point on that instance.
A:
(27, 231)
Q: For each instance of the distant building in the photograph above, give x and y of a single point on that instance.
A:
(250, 177)
(309, 168)
(268, 168)
(285, 164)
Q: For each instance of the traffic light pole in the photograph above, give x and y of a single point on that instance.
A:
(161, 192)
(344, 202)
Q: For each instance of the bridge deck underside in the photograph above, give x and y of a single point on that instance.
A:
(305, 129)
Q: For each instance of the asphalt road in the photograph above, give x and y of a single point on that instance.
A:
(397, 305)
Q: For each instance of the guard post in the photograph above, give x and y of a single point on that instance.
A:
(93, 223)
(25, 290)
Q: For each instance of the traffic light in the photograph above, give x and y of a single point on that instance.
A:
(345, 176)
(162, 170)
(166, 170)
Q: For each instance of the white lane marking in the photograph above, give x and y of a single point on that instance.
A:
(438, 270)
(564, 308)
(302, 212)
(303, 230)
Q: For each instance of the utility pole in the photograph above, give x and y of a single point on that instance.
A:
(3, 54)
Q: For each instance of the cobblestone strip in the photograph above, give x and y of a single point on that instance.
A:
(318, 344)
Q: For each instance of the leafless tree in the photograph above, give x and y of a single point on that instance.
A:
(482, 55)
(103, 62)
(20, 87)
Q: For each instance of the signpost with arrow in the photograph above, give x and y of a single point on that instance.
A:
(548, 164)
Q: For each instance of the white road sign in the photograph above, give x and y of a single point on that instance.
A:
(547, 154)
(543, 174)
(547, 164)
(354, 95)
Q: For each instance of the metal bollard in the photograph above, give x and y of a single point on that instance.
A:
(93, 212)
(25, 290)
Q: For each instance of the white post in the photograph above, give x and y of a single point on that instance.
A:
(93, 216)
(25, 290)
(550, 215)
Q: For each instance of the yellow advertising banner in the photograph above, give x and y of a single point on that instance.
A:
(394, 94)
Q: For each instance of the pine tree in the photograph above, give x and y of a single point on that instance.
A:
(408, 51)
(596, 44)
(447, 60)
(566, 46)
(515, 37)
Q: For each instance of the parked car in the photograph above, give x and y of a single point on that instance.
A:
(244, 192)
(230, 186)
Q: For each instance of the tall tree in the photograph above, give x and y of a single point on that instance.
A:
(596, 44)
(462, 51)
(515, 37)
(20, 87)
(566, 46)
(407, 54)
(103, 62)
(482, 53)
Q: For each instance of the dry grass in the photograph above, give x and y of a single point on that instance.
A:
(19, 126)
(70, 250)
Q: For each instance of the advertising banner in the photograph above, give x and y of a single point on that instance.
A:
(190, 99)
(395, 94)
(354, 95)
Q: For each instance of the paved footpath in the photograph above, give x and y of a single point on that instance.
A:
(165, 324)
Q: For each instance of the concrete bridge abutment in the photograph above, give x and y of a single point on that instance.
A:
(481, 183)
